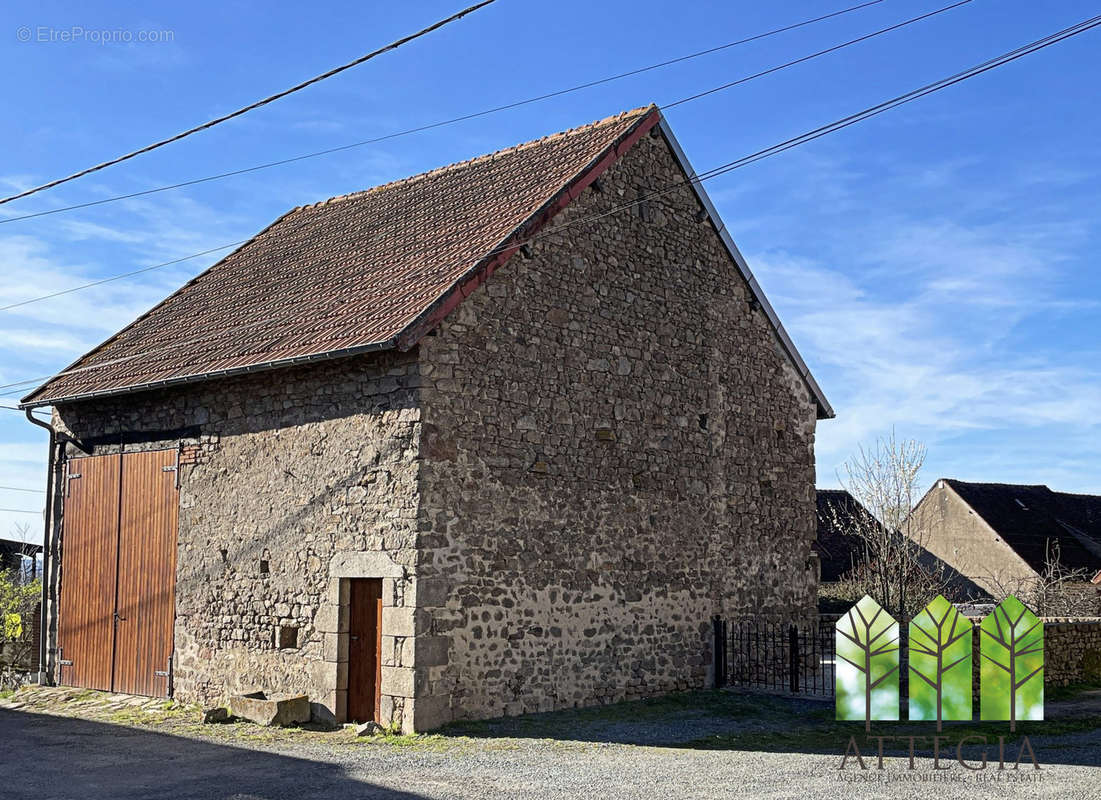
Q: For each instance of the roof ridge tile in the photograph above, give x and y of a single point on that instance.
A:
(436, 171)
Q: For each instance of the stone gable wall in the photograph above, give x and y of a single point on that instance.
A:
(299, 477)
(615, 450)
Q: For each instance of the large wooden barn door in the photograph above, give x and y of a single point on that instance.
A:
(118, 582)
(85, 635)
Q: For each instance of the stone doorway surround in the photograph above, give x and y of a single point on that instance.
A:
(333, 621)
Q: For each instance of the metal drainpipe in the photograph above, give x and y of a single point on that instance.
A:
(43, 624)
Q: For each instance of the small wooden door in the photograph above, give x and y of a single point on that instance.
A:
(364, 649)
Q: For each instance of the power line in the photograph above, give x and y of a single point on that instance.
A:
(442, 123)
(252, 106)
(16, 408)
(721, 169)
(19, 511)
(120, 276)
(835, 48)
(21, 489)
(725, 86)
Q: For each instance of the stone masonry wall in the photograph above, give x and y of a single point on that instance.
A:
(1072, 651)
(299, 478)
(615, 450)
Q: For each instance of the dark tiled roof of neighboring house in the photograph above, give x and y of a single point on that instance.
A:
(839, 549)
(373, 270)
(1034, 519)
(11, 552)
(22, 548)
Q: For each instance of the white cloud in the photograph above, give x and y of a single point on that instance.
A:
(916, 333)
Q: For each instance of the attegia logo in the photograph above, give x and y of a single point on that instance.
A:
(941, 646)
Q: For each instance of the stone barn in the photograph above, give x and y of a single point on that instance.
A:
(497, 438)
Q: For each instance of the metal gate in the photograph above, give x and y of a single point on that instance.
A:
(118, 573)
(795, 659)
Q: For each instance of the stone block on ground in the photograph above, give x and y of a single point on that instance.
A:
(321, 716)
(275, 710)
(213, 716)
(369, 729)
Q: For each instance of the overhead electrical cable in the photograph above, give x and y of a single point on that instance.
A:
(452, 120)
(251, 106)
(729, 85)
(721, 169)
(120, 276)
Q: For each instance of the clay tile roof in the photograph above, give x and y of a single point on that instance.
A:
(363, 271)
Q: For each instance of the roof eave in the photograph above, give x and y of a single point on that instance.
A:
(197, 377)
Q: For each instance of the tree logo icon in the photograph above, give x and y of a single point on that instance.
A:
(866, 673)
(940, 664)
(941, 647)
(1012, 671)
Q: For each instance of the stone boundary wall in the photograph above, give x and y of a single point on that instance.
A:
(1072, 651)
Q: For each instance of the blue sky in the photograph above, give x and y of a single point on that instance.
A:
(936, 266)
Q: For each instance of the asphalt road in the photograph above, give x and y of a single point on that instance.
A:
(46, 757)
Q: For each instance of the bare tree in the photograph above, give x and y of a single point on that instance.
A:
(884, 480)
(20, 533)
(1055, 591)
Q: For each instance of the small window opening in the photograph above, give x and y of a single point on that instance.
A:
(288, 637)
(264, 567)
(703, 422)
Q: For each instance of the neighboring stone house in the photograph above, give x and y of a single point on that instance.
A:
(1004, 537)
(433, 456)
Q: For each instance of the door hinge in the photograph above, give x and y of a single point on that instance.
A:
(175, 467)
(161, 673)
(69, 477)
(65, 663)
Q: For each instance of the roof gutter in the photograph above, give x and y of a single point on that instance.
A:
(197, 377)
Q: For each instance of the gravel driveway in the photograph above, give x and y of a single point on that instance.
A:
(702, 745)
